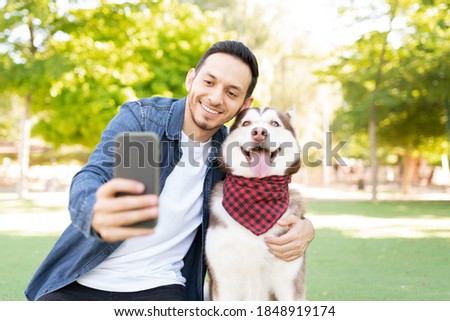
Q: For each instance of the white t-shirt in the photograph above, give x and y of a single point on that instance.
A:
(146, 262)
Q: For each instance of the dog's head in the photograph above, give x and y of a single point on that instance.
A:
(261, 143)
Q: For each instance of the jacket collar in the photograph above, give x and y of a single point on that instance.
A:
(175, 119)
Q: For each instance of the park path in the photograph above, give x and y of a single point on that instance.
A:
(40, 221)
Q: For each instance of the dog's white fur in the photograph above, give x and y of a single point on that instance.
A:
(239, 262)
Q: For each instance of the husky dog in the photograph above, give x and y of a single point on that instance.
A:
(259, 155)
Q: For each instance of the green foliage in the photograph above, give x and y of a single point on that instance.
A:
(9, 120)
(93, 60)
(26, 59)
(410, 93)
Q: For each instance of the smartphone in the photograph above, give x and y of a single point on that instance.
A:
(137, 157)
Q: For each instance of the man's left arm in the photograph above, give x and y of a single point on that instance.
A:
(294, 243)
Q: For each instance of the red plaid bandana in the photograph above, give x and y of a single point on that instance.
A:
(256, 203)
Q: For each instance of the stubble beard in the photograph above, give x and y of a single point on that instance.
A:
(199, 120)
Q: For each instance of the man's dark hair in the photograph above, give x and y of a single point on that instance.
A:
(238, 50)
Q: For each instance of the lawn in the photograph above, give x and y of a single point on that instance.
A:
(344, 267)
(19, 258)
(341, 264)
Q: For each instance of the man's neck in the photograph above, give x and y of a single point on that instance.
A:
(197, 136)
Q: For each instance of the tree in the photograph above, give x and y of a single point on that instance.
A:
(407, 89)
(73, 68)
(118, 53)
(28, 61)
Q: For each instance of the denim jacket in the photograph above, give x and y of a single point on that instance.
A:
(79, 249)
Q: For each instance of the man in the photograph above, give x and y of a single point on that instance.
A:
(99, 257)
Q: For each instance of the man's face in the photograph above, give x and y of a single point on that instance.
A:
(216, 94)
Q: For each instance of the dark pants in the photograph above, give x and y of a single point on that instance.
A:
(78, 292)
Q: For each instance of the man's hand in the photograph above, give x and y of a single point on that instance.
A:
(112, 214)
(293, 244)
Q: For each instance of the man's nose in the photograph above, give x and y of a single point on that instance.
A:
(215, 96)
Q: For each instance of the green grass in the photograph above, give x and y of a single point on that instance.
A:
(339, 265)
(19, 258)
(27, 206)
(394, 269)
(384, 209)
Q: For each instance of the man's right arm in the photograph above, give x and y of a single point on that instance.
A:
(93, 187)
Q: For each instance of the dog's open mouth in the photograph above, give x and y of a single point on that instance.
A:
(257, 152)
(260, 160)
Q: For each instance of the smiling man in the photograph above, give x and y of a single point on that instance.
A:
(99, 256)
(218, 90)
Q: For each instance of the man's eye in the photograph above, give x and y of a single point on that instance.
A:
(274, 123)
(232, 94)
(208, 82)
(246, 123)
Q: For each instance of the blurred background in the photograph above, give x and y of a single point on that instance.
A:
(374, 74)
(370, 81)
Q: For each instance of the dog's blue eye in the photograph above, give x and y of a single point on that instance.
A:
(275, 123)
(246, 123)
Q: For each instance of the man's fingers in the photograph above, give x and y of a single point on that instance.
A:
(115, 227)
(286, 249)
(117, 185)
(288, 252)
(294, 242)
(125, 203)
(113, 215)
(287, 255)
(288, 221)
(124, 218)
(278, 240)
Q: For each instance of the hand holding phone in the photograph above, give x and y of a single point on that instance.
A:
(113, 216)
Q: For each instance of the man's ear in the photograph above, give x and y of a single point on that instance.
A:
(189, 79)
(247, 103)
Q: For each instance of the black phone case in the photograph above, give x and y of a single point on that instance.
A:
(137, 157)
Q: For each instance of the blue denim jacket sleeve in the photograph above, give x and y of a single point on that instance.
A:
(98, 169)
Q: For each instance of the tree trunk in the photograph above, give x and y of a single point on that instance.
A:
(409, 167)
(24, 148)
(373, 153)
(373, 110)
(25, 125)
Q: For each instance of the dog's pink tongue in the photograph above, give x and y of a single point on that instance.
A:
(260, 163)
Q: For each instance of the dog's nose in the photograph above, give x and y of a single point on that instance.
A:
(259, 134)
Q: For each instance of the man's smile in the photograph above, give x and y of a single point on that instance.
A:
(209, 110)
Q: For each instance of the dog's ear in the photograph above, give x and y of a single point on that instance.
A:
(291, 112)
(290, 115)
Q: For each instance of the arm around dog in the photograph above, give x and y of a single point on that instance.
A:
(293, 244)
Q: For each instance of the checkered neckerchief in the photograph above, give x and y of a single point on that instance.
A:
(256, 203)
